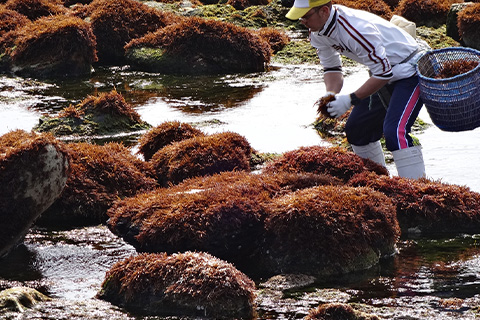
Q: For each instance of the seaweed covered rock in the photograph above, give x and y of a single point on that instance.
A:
(33, 173)
(424, 12)
(469, 24)
(115, 23)
(34, 9)
(427, 206)
(221, 214)
(100, 175)
(191, 284)
(338, 311)
(335, 161)
(53, 46)
(378, 7)
(163, 135)
(200, 46)
(20, 298)
(10, 20)
(329, 230)
(105, 114)
(201, 156)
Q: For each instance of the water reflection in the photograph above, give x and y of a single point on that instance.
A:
(428, 279)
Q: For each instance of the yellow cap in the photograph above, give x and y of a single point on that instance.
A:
(300, 7)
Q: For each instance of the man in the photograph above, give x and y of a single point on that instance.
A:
(388, 102)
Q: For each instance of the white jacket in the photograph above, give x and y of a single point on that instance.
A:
(366, 38)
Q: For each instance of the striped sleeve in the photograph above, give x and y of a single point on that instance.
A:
(365, 42)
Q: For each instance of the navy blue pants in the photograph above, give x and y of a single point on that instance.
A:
(369, 119)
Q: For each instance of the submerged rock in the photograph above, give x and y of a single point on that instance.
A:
(33, 174)
(105, 114)
(20, 298)
(187, 283)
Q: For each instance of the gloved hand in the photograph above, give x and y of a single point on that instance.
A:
(321, 103)
(340, 105)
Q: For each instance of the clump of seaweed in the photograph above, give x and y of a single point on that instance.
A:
(100, 175)
(454, 68)
(115, 23)
(165, 134)
(424, 12)
(104, 114)
(190, 283)
(53, 46)
(328, 230)
(34, 9)
(200, 156)
(276, 39)
(335, 161)
(338, 311)
(322, 103)
(196, 45)
(427, 206)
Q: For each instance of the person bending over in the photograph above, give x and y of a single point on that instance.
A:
(388, 102)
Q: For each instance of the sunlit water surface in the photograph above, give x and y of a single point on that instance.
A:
(427, 279)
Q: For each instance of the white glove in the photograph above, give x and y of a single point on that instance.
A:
(340, 105)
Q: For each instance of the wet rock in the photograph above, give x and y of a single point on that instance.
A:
(452, 20)
(180, 284)
(20, 298)
(105, 114)
(33, 173)
(283, 282)
(426, 206)
(53, 46)
(201, 156)
(100, 175)
(199, 46)
(338, 311)
(329, 230)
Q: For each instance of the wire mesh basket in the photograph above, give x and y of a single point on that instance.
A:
(453, 103)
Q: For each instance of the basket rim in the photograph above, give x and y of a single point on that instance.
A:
(459, 76)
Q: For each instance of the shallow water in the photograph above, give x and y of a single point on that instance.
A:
(428, 279)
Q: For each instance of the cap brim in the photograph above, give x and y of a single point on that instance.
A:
(296, 13)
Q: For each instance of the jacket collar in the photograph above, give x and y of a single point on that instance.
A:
(329, 25)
